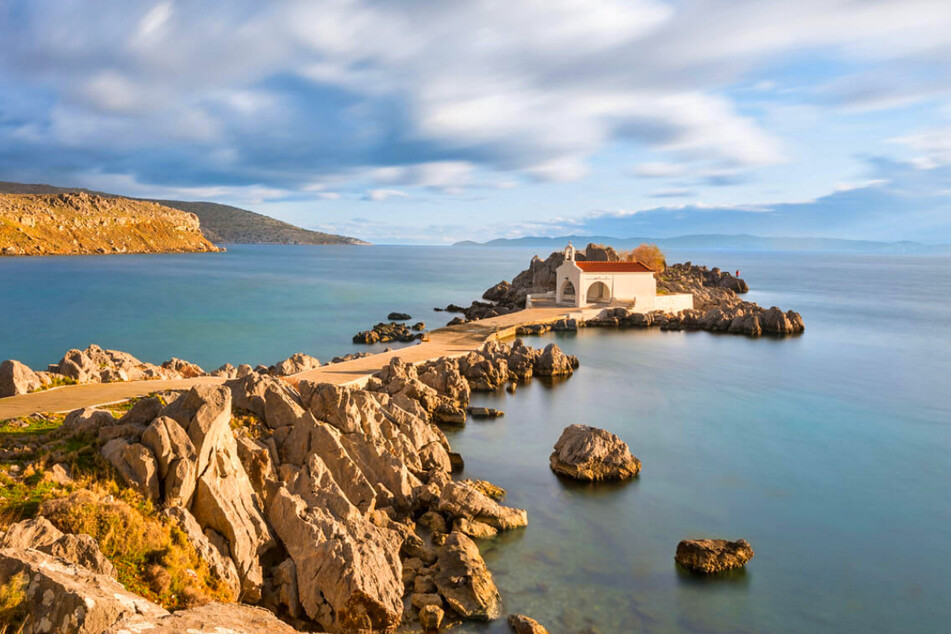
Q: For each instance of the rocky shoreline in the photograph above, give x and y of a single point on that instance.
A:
(717, 303)
(330, 506)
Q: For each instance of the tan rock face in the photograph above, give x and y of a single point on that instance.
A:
(465, 501)
(465, 582)
(589, 453)
(713, 555)
(554, 362)
(136, 464)
(38, 533)
(349, 575)
(17, 378)
(176, 457)
(63, 597)
(223, 618)
(295, 364)
(81, 223)
(219, 562)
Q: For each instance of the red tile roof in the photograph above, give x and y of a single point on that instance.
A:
(613, 267)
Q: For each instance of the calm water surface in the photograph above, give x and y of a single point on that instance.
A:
(829, 452)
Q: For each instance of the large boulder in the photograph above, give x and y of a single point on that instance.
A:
(40, 534)
(64, 597)
(176, 457)
(464, 581)
(182, 368)
(136, 464)
(463, 499)
(86, 420)
(709, 556)
(553, 362)
(17, 378)
(589, 453)
(295, 364)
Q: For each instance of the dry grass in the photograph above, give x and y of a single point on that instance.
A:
(153, 558)
(13, 608)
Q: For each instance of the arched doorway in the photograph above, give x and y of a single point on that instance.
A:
(599, 293)
(567, 291)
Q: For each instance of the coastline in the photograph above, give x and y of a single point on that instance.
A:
(466, 353)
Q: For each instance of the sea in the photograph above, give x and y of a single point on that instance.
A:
(830, 452)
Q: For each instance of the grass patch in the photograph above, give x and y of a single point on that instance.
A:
(30, 426)
(153, 557)
(56, 380)
(13, 608)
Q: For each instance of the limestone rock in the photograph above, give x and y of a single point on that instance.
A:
(226, 371)
(554, 362)
(431, 616)
(224, 497)
(63, 597)
(31, 533)
(464, 500)
(522, 624)
(713, 555)
(143, 411)
(589, 453)
(348, 572)
(211, 618)
(182, 368)
(219, 563)
(136, 464)
(176, 457)
(295, 364)
(87, 419)
(17, 378)
(465, 582)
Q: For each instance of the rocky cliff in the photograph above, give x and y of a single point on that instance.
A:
(83, 224)
(332, 507)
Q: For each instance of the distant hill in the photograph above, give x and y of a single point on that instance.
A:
(715, 242)
(232, 225)
(219, 223)
(80, 223)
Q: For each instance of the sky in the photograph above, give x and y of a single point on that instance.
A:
(403, 121)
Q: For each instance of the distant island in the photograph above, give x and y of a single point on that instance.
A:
(220, 224)
(723, 241)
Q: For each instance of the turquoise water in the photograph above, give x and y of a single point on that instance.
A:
(829, 452)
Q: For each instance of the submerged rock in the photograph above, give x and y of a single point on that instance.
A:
(589, 453)
(521, 624)
(713, 555)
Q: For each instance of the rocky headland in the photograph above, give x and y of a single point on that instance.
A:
(718, 306)
(332, 507)
(89, 224)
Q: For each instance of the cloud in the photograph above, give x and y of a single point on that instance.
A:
(381, 195)
(672, 193)
(658, 169)
(448, 96)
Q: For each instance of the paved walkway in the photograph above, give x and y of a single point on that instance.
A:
(449, 341)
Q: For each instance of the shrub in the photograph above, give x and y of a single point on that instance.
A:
(13, 608)
(649, 255)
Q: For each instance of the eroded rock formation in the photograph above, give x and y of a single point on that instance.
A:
(307, 502)
(589, 453)
(710, 556)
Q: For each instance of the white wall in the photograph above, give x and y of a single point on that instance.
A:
(673, 303)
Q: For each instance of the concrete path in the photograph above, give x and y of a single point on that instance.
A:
(449, 341)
